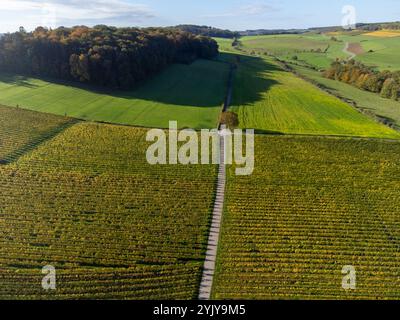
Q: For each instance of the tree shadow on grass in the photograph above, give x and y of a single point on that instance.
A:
(202, 84)
(253, 79)
(17, 80)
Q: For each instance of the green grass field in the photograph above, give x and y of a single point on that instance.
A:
(384, 53)
(313, 49)
(371, 102)
(268, 98)
(312, 206)
(190, 94)
(225, 45)
(113, 226)
(283, 44)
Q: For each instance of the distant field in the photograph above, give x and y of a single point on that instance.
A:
(386, 108)
(283, 44)
(384, 33)
(387, 57)
(224, 44)
(380, 50)
(112, 225)
(270, 99)
(317, 50)
(312, 206)
(190, 94)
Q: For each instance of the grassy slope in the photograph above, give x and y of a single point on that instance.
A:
(312, 206)
(288, 46)
(267, 98)
(225, 45)
(385, 53)
(192, 95)
(370, 101)
(88, 203)
(282, 44)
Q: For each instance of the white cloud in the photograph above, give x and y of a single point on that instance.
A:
(255, 9)
(252, 9)
(66, 12)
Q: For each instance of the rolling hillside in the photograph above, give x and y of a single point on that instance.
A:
(189, 94)
(79, 194)
(320, 50)
(269, 99)
(368, 101)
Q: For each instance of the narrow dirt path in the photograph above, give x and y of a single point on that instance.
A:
(213, 238)
(346, 51)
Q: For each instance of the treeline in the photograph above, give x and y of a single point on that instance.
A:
(379, 26)
(208, 31)
(265, 32)
(102, 55)
(386, 83)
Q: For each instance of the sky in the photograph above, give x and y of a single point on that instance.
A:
(227, 14)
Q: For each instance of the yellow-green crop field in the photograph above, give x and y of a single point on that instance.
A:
(312, 206)
(270, 99)
(88, 203)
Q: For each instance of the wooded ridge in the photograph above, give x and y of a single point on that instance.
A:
(102, 55)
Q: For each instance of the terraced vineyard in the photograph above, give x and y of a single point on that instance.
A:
(312, 206)
(21, 130)
(113, 226)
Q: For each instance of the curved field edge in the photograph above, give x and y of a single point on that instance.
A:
(190, 94)
(113, 226)
(312, 206)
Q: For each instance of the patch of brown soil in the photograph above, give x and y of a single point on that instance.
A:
(355, 48)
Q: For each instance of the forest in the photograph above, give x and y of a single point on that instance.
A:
(102, 55)
(386, 83)
(208, 31)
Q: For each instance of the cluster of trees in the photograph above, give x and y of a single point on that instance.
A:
(208, 31)
(335, 39)
(102, 55)
(386, 83)
(229, 119)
